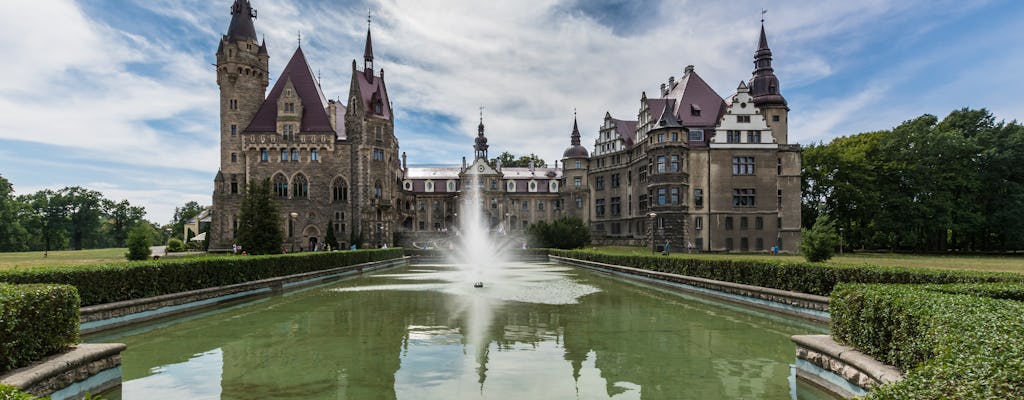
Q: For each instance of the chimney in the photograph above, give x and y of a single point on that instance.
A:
(671, 82)
(463, 163)
(405, 167)
(332, 112)
(689, 69)
(663, 91)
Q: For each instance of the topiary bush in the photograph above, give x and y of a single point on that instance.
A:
(138, 243)
(952, 341)
(36, 321)
(819, 243)
(175, 245)
(108, 283)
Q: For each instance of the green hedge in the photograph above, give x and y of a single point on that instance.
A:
(108, 283)
(36, 321)
(952, 341)
(12, 393)
(805, 277)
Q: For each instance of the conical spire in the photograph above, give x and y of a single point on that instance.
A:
(241, 27)
(368, 52)
(575, 132)
(480, 144)
(764, 85)
(575, 150)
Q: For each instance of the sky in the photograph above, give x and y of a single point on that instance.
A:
(120, 96)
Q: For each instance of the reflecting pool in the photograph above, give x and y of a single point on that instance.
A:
(541, 331)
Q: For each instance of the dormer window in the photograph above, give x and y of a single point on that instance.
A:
(743, 118)
(378, 108)
(289, 107)
(695, 110)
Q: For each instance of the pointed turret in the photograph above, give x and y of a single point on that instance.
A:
(764, 85)
(368, 54)
(480, 144)
(242, 28)
(575, 150)
(263, 49)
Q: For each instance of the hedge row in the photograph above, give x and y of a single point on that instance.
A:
(108, 283)
(952, 341)
(36, 321)
(805, 277)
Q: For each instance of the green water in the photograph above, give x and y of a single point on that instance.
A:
(535, 331)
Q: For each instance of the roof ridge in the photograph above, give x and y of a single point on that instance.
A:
(314, 103)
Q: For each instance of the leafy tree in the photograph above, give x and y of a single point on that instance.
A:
(47, 219)
(13, 235)
(121, 216)
(819, 242)
(139, 242)
(175, 245)
(84, 210)
(259, 226)
(509, 160)
(182, 215)
(563, 233)
(329, 238)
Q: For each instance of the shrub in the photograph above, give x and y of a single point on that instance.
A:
(12, 393)
(563, 233)
(802, 277)
(138, 243)
(99, 284)
(819, 243)
(36, 321)
(175, 245)
(951, 341)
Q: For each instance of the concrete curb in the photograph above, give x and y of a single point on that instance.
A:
(844, 362)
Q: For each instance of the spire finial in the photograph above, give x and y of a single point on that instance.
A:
(369, 18)
(481, 115)
(300, 37)
(763, 12)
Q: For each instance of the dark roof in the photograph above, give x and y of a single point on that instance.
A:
(764, 85)
(372, 88)
(575, 150)
(627, 130)
(263, 48)
(314, 115)
(368, 52)
(691, 94)
(667, 119)
(241, 27)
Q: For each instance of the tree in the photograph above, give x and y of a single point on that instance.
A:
(819, 242)
(84, 210)
(13, 235)
(121, 215)
(259, 226)
(563, 233)
(182, 215)
(139, 242)
(47, 219)
(509, 160)
(330, 239)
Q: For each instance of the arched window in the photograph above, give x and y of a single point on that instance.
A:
(281, 186)
(300, 187)
(378, 190)
(340, 190)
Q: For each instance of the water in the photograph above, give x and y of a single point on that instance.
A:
(551, 332)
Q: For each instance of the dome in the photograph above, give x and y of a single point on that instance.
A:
(576, 151)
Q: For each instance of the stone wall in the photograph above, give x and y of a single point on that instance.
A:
(76, 369)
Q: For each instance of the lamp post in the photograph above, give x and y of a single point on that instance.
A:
(291, 228)
(652, 215)
(508, 223)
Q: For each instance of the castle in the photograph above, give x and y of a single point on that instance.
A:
(694, 170)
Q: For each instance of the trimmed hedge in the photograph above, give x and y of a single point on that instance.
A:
(36, 321)
(109, 283)
(804, 277)
(952, 341)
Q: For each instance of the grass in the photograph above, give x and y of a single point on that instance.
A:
(66, 257)
(962, 262)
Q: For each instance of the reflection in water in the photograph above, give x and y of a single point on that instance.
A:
(553, 333)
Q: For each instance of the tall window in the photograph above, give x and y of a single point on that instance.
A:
(674, 197)
(615, 180)
(284, 154)
(577, 181)
(300, 187)
(780, 198)
(599, 183)
(599, 207)
(661, 196)
(733, 136)
(540, 205)
(378, 190)
(281, 186)
(234, 184)
(339, 190)
(674, 163)
(579, 164)
(743, 165)
(759, 223)
(698, 223)
(295, 154)
(378, 132)
(579, 201)
(234, 130)
(698, 198)
(616, 206)
(743, 223)
(378, 155)
(234, 157)
(728, 223)
(314, 155)
(264, 155)
(744, 198)
(660, 164)
(754, 137)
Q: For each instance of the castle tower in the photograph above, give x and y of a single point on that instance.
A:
(376, 166)
(575, 165)
(242, 66)
(480, 143)
(764, 88)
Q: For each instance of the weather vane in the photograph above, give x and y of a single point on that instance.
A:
(481, 114)
(300, 38)
(368, 18)
(763, 12)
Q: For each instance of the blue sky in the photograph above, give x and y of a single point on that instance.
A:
(119, 96)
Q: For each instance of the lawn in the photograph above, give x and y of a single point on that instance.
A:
(64, 257)
(964, 262)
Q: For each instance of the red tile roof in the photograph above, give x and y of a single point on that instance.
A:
(314, 113)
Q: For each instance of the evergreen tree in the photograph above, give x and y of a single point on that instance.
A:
(563, 233)
(819, 243)
(259, 226)
(330, 239)
(139, 242)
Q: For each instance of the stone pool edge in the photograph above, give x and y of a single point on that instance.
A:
(840, 369)
(801, 305)
(107, 316)
(84, 368)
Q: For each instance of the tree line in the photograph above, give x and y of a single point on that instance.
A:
(75, 218)
(926, 185)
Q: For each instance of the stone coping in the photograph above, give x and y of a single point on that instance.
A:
(111, 315)
(880, 373)
(808, 306)
(51, 367)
